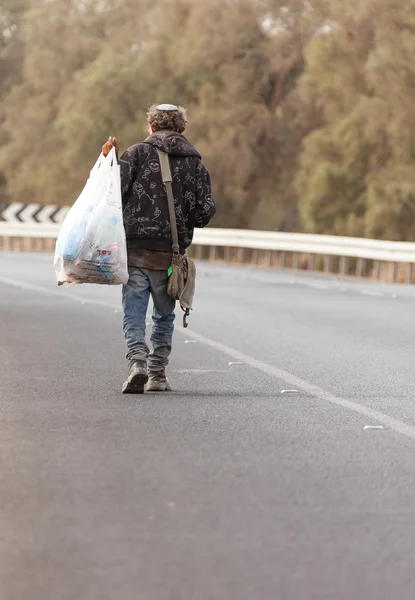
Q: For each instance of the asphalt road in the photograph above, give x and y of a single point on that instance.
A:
(230, 487)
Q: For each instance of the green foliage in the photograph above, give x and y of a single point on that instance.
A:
(11, 63)
(304, 112)
(356, 176)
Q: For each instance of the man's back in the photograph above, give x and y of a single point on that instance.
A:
(146, 216)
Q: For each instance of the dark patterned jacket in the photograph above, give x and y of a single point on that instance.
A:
(145, 207)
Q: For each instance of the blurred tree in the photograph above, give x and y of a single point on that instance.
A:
(355, 176)
(390, 194)
(11, 62)
(303, 110)
(251, 112)
(60, 38)
(92, 68)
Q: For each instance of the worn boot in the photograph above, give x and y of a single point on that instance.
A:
(158, 382)
(137, 378)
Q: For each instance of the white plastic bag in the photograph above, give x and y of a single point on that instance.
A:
(91, 246)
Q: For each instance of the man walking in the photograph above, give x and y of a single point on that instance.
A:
(149, 239)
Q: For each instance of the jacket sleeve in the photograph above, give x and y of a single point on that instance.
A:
(205, 204)
(128, 170)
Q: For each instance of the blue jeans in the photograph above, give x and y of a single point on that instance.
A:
(135, 298)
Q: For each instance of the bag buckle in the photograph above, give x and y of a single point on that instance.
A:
(186, 314)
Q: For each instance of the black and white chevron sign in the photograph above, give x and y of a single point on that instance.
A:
(17, 212)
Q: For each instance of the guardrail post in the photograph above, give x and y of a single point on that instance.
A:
(212, 253)
(296, 260)
(359, 267)
(327, 264)
(409, 273)
(392, 271)
(227, 254)
(312, 262)
(376, 267)
(343, 265)
(255, 256)
(241, 254)
(28, 244)
(283, 259)
(199, 252)
(269, 258)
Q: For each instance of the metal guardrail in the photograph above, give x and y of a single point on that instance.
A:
(29, 230)
(268, 243)
(326, 245)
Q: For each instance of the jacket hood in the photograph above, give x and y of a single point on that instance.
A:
(173, 143)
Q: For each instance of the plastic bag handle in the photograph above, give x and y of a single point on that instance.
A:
(109, 160)
(112, 157)
(98, 163)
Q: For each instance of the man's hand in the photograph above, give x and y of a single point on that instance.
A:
(107, 147)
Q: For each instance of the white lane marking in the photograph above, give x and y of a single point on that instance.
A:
(197, 371)
(293, 380)
(306, 386)
(370, 293)
(318, 286)
(55, 292)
